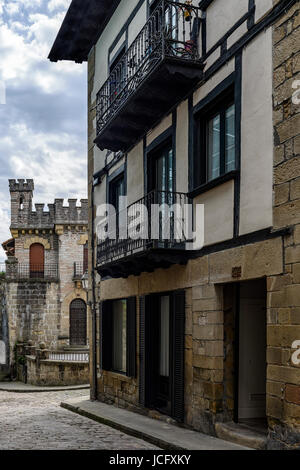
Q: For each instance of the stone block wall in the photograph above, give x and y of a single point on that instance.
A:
(70, 252)
(56, 373)
(283, 376)
(34, 312)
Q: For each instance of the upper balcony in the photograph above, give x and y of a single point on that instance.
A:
(158, 70)
(148, 234)
(15, 271)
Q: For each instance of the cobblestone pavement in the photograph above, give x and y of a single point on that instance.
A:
(35, 421)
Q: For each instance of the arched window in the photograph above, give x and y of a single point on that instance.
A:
(37, 260)
(78, 323)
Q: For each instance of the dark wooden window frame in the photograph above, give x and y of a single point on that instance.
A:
(231, 84)
(217, 106)
(106, 334)
(165, 138)
(111, 179)
(153, 155)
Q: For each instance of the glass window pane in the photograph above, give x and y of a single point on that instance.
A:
(119, 335)
(164, 336)
(170, 176)
(230, 139)
(213, 147)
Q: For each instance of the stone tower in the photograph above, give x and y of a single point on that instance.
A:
(21, 192)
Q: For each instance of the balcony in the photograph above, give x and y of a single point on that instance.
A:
(161, 239)
(24, 271)
(158, 70)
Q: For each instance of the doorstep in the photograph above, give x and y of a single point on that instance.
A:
(20, 387)
(159, 433)
(242, 435)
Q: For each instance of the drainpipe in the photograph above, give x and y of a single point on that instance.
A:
(93, 306)
(100, 176)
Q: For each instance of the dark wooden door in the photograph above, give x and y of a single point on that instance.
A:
(78, 323)
(37, 261)
(162, 335)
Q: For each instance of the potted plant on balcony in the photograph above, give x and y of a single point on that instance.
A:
(188, 10)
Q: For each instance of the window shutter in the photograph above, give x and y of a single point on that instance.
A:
(131, 338)
(106, 335)
(37, 259)
(142, 344)
(148, 350)
(178, 355)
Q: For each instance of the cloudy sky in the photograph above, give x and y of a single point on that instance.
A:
(43, 123)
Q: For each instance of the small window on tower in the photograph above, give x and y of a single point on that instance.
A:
(21, 203)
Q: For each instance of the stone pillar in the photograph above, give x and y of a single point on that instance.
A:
(11, 267)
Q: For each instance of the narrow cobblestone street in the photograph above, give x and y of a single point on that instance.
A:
(36, 421)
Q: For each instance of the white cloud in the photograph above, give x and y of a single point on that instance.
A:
(42, 126)
(12, 9)
(62, 171)
(58, 4)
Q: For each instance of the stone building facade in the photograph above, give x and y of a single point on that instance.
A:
(228, 357)
(45, 299)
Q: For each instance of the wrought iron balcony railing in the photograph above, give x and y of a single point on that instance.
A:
(23, 271)
(171, 32)
(162, 220)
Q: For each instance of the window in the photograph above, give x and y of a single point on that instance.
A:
(154, 5)
(116, 190)
(118, 336)
(216, 137)
(117, 71)
(36, 260)
(119, 313)
(117, 59)
(161, 169)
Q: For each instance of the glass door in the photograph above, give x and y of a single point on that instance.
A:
(161, 183)
(116, 190)
(164, 325)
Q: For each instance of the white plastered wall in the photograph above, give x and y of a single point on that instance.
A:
(135, 173)
(257, 135)
(221, 16)
(218, 213)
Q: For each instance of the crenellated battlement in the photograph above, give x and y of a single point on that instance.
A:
(22, 215)
(70, 213)
(21, 185)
